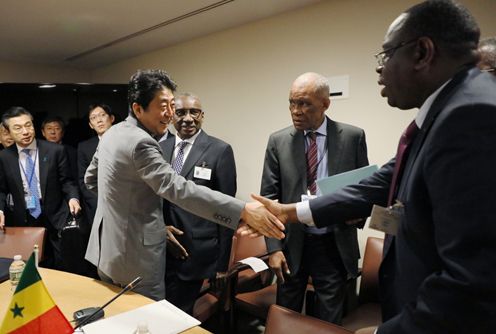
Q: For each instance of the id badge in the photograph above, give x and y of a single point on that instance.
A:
(30, 202)
(387, 219)
(203, 173)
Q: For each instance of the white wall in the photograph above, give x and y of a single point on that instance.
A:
(16, 72)
(243, 75)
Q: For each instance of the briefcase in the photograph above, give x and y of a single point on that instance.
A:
(74, 237)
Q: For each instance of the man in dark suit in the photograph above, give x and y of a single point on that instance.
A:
(5, 138)
(35, 182)
(326, 255)
(207, 161)
(53, 129)
(438, 271)
(100, 119)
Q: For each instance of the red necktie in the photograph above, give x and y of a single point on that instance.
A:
(401, 155)
(312, 163)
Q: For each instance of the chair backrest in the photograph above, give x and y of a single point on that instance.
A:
(282, 321)
(243, 247)
(21, 240)
(369, 284)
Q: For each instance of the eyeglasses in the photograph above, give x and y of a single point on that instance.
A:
(98, 116)
(384, 56)
(195, 113)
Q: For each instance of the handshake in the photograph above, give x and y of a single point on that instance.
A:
(266, 217)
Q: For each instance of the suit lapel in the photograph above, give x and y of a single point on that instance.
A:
(44, 162)
(437, 106)
(168, 148)
(297, 158)
(334, 146)
(196, 152)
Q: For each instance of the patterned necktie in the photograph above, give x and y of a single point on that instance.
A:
(177, 165)
(401, 155)
(312, 163)
(32, 182)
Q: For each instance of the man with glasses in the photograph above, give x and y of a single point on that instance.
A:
(438, 271)
(100, 119)
(131, 177)
(207, 161)
(35, 182)
(487, 49)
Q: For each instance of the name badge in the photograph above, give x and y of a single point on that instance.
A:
(388, 219)
(30, 202)
(203, 173)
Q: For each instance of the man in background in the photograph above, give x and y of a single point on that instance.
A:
(52, 129)
(35, 182)
(5, 138)
(131, 177)
(100, 119)
(313, 148)
(207, 161)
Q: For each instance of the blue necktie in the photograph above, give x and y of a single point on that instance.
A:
(177, 165)
(32, 182)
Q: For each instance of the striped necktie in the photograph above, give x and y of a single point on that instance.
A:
(312, 163)
(32, 182)
(177, 165)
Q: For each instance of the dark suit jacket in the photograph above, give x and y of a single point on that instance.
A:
(57, 186)
(438, 274)
(72, 160)
(208, 244)
(85, 152)
(284, 178)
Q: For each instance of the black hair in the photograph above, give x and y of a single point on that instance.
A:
(143, 86)
(14, 112)
(450, 26)
(50, 119)
(104, 106)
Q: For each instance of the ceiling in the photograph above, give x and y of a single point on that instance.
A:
(92, 33)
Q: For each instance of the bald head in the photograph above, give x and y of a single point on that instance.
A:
(313, 81)
(308, 101)
(487, 49)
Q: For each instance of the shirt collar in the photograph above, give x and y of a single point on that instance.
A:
(190, 140)
(321, 130)
(424, 109)
(31, 146)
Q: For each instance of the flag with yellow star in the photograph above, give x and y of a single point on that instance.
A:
(32, 309)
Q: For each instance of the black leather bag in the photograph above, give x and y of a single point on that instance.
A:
(74, 237)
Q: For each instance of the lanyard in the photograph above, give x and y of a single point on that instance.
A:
(34, 168)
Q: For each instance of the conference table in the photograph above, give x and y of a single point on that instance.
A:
(73, 292)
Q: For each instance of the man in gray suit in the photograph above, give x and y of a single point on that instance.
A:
(327, 255)
(128, 235)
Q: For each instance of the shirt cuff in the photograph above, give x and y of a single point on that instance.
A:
(304, 213)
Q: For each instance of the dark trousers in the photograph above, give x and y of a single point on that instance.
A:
(322, 262)
(181, 293)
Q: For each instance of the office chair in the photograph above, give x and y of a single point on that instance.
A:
(282, 320)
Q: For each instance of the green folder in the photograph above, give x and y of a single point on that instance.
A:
(335, 182)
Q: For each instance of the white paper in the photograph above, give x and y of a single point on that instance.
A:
(255, 263)
(161, 317)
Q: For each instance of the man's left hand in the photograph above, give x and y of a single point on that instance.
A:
(74, 206)
(173, 245)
